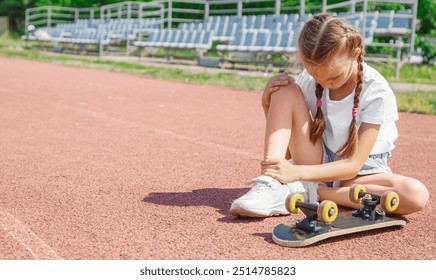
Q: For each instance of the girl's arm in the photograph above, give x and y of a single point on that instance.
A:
(345, 169)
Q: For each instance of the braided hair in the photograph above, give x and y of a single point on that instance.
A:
(319, 41)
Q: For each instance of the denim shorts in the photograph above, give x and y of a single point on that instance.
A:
(377, 163)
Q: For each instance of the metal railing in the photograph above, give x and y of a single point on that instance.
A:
(365, 6)
(173, 12)
(49, 16)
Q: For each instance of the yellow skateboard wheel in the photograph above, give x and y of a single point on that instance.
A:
(291, 203)
(354, 193)
(327, 211)
(389, 201)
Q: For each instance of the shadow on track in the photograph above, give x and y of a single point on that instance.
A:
(219, 198)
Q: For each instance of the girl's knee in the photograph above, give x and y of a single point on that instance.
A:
(289, 92)
(416, 193)
(289, 96)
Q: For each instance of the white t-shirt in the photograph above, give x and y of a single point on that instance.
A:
(377, 105)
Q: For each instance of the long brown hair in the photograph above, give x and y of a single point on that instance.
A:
(319, 40)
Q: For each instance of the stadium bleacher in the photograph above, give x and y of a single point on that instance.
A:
(258, 34)
(94, 31)
(254, 33)
(241, 33)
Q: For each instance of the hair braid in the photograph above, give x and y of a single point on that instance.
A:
(318, 42)
(318, 124)
(350, 147)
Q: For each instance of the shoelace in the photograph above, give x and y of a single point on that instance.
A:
(261, 187)
(297, 189)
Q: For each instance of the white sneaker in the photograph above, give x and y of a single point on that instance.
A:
(266, 198)
(309, 190)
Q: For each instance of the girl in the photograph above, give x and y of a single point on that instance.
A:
(337, 121)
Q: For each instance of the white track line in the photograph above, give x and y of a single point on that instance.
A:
(124, 123)
(194, 140)
(214, 146)
(26, 237)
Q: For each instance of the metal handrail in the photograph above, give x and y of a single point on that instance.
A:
(165, 10)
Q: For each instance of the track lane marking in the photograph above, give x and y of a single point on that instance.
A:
(26, 237)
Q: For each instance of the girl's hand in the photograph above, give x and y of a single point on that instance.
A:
(280, 169)
(273, 85)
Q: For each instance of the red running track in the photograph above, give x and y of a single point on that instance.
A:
(101, 165)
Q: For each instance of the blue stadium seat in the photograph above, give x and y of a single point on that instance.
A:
(249, 40)
(273, 42)
(402, 22)
(221, 29)
(262, 39)
(239, 39)
(192, 39)
(274, 25)
(305, 17)
(368, 36)
(171, 39)
(152, 36)
(293, 18)
(286, 27)
(371, 19)
(259, 22)
(181, 40)
(206, 41)
(384, 22)
(230, 32)
(249, 21)
(201, 40)
(164, 36)
(285, 44)
(269, 22)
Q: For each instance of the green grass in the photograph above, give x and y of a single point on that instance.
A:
(15, 48)
(417, 102)
(408, 101)
(413, 74)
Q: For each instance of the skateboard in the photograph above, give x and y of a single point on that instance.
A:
(323, 220)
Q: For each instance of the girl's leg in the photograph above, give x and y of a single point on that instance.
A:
(413, 194)
(288, 127)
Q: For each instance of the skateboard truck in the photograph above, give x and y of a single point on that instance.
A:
(388, 201)
(311, 222)
(369, 211)
(318, 216)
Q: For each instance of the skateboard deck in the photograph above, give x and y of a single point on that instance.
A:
(323, 220)
(288, 235)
